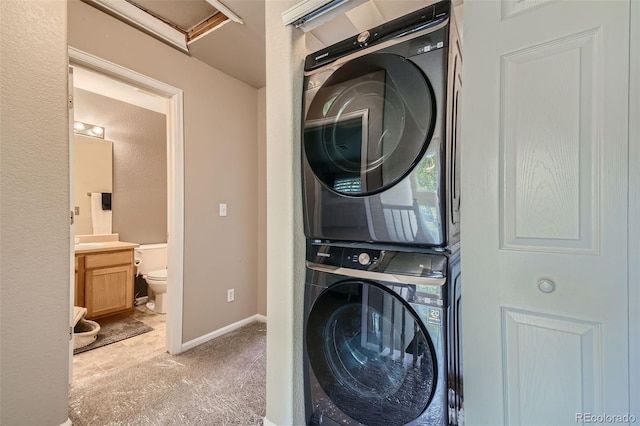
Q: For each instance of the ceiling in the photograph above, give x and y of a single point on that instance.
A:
(230, 36)
(237, 49)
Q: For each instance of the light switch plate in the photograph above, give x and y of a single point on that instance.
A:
(223, 209)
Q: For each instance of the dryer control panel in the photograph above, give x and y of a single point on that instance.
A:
(419, 20)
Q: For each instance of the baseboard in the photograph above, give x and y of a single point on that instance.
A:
(224, 330)
(267, 422)
(67, 423)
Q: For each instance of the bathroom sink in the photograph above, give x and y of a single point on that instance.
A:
(88, 245)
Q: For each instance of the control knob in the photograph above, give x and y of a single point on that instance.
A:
(364, 259)
(364, 37)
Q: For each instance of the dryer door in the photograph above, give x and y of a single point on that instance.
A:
(370, 354)
(369, 123)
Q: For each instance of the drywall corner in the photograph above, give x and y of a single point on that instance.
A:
(262, 202)
(285, 239)
(35, 248)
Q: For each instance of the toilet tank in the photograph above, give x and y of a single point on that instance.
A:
(150, 257)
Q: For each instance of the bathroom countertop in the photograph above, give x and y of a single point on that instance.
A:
(105, 246)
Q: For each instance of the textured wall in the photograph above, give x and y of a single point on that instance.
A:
(139, 136)
(35, 245)
(285, 242)
(220, 150)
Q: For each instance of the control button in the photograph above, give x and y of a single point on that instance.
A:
(364, 37)
(364, 259)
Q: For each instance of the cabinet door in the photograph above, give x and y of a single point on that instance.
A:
(79, 282)
(109, 290)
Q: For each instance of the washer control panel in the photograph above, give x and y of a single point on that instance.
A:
(357, 258)
(378, 260)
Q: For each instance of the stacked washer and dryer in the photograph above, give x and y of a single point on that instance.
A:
(381, 209)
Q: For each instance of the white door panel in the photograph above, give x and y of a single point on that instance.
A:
(544, 214)
(549, 144)
(566, 361)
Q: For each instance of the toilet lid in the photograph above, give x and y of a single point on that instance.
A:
(160, 274)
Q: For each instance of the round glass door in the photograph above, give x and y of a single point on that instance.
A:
(369, 124)
(370, 354)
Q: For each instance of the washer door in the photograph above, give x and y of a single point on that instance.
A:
(370, 353)
(369, 124)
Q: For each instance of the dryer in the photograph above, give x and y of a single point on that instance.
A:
(380, 336)
(379, 143)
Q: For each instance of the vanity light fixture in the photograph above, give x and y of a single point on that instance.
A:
(87, 129)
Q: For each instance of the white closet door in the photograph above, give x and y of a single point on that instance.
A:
(544, 211)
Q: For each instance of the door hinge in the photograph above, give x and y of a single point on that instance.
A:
(71, 218)
(70, 333)
(70, 101)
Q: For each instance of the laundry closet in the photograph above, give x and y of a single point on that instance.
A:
(548, 190)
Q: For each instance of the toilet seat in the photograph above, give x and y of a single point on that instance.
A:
(159, 275)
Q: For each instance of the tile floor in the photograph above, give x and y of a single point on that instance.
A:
(93, 364)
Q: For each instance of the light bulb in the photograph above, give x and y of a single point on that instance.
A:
(96, 130)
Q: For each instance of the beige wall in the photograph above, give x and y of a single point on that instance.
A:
(35, 245)
(220, 167)
(262, 202)
(139, 136)
(93, 167)
(285, 238)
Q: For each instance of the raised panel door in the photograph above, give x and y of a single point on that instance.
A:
(544, 217)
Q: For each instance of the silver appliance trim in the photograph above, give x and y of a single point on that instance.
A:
(377, 276)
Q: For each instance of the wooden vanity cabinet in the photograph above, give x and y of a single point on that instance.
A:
(108, 283)
(79, 282)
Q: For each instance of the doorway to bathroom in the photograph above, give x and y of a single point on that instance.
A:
(172, 200)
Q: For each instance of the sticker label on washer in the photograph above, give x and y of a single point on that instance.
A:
(433, 316)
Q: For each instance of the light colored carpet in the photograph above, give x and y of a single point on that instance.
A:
(221, 382)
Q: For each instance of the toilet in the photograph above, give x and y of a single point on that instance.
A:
(151, 263)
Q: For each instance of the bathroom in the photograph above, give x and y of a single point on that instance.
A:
(129, 161)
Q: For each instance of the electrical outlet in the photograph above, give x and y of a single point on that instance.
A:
(230, 295)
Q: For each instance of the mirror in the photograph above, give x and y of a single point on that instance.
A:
(93, 170)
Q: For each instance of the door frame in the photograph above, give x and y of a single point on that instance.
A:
(634, 210)
(175, 179)
(72, 227)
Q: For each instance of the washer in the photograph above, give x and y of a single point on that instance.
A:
(379, 141)
(381, 336)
